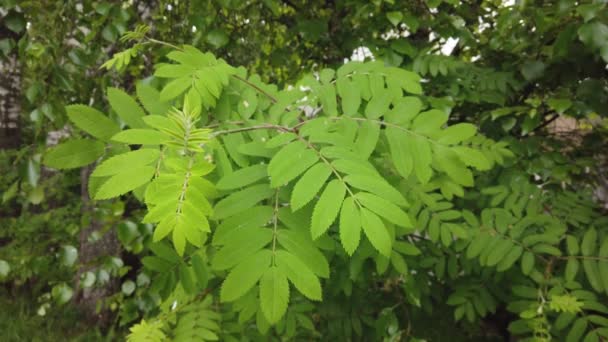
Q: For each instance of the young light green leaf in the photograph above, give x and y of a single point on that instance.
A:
(74, 153)
(309, 185)
(242, 177)
(376, 232)
(299, 275)
(274, 294)
(327, 207)
(165, 226)
(244, 276)
(126, 107)
(350, 226)
(92, 121)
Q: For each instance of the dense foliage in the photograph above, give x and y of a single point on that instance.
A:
(309, 195)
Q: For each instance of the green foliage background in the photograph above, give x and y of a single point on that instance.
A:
(284, 192)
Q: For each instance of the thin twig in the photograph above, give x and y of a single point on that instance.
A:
(156, 41)
(260, 90)
(251, 128)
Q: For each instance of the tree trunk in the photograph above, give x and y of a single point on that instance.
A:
(88, 300)
(10, 101)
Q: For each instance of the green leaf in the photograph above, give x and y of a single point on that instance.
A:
(350, 96)
(327, 207)
(124, 182)
(350, 226)
(378, 105)
(309, 185)
(603, 264)
(594, 34)
(150, 99)
(274, 294)
(589, 243)
(74, 153)
(447, 161)
(593, 275)
(140, 136)
(175, 88)
(378, 186)
(572, 267)
(5, 268)
(242, 200)
(299, 275)
(301, 245)
(240, 247)
(577, 330)
(217, 38)
(126, 107)
(384, 208)
(290, 162)
(376, 232)
(533, 70)
(420, 148)
(92, 121)
(367, 138)
(126, 161)
(527, 263)
(429, 122)
(457, 133)
(499, 252)
(68, 255)
(510, 259)
(250, 218)
(394, 17)
(186, 279)
(200, 270)
(244, 276)
(472, 157)
(242, 177)
(559, 105)
(357, 167)
(398, 144)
